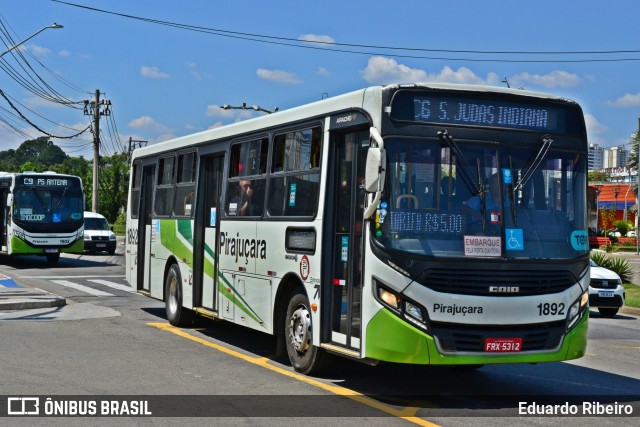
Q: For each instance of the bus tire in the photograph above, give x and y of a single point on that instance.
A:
(52, 259)
(303, 355)
(177, 315)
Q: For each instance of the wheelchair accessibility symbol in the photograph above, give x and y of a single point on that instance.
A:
(514, 239)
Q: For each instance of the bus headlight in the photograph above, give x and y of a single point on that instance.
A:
(389, 298)
(402, 306)
(577, 309)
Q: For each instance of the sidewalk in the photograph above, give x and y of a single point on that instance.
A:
(15, 297)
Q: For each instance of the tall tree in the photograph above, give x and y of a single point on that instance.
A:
(40, 151)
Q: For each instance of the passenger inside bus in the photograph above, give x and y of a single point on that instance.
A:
(242, 199)
(492, 197)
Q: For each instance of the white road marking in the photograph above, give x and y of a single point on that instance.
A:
(82, 288)
(113, 285)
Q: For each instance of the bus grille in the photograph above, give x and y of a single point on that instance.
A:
(537, 337)
(474, 282)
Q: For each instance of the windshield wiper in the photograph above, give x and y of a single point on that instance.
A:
(474, 186)
(534, 163)
(61, 197)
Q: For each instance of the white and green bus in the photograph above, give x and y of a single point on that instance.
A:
(42, 214)
(415, 223)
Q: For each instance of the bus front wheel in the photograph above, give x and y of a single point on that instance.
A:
(303, 355)
(177, 315)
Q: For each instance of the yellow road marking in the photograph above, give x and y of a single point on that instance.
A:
(408, 413)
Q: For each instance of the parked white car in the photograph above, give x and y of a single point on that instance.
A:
(605, 291)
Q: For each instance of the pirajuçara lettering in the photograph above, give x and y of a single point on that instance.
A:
(456, 309)
(239, 247)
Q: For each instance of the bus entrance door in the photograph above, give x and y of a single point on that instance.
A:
(144, 230)
(205, 239)
(347, 237)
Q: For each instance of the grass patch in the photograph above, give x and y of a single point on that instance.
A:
(632, 293)
(119, 229)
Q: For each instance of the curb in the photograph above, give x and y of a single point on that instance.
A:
(630, 310)
(28, 298)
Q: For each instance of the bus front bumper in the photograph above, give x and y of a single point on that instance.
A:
(391, 339)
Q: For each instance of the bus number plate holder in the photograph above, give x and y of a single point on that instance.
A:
(502, 345)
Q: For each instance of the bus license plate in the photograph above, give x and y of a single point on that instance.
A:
(502, 345)
(51, 251)
(605, 294)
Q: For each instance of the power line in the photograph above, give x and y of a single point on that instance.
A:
(36, 126)
(320, 45)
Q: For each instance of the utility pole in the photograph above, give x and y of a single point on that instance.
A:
(92, 108)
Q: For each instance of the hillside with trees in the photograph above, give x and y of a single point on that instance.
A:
(40, 155)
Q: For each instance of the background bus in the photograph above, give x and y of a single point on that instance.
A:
(426, 224)
(42, 214)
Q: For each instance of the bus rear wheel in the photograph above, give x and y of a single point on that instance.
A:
(303, 355)
(177, 315)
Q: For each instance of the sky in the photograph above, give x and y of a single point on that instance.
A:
(165, 81)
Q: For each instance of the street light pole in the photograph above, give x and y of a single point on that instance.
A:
(30, 37)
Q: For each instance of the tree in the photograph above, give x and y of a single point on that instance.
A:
(607, 216)
(114, 186)
(597, 176)
(40, 151)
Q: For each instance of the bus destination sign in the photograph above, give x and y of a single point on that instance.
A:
(479, 109)
(47, 181)
(486, 112)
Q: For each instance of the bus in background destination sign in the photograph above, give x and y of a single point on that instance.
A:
(475, 110)
(47, 181)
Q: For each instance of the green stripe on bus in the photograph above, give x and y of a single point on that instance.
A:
(169, 230)
(231, 293)
(184, 228)
(169, 239)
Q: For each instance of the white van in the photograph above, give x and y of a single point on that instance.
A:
(97, 234)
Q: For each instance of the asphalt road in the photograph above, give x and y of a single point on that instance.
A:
(109, 341)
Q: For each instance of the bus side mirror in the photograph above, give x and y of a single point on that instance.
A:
(375, 171)
(374, 180)
(10, 200)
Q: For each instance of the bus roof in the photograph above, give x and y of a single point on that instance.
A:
(351, 100)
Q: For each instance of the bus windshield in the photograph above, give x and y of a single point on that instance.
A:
(40, 206)
(479, 199)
